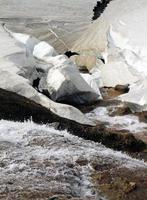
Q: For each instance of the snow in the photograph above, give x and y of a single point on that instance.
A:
(38, 156)
(20, 69)
(122, 31)
(43, 49)
(8, 44)
(65, 83)
(23, 38)
(43, 17)
(136, 99)
(93, 81)
(120, 34)
(116, 73)
(58, 81)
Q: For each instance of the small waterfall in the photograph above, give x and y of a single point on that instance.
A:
(39, 158)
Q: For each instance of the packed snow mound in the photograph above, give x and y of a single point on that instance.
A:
(136, 99)
(118, 38)
(120, 32)
(119, 70)
(58, 22)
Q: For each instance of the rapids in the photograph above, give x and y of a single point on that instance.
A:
(38, 158)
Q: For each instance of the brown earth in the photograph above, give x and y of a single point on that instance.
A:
(121, 183)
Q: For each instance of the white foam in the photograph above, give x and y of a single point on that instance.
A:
(74, 146)
(127, 122)
(39, 157)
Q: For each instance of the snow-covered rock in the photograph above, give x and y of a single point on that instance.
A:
(93, 81)
(120, 33)
(116, 73)
(15, 83)
(118, 36)
(36, 50)
(14, 78)
(64, 83)
(136, 99)
(43, 49)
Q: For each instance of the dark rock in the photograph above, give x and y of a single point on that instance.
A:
(17, 108)
(36, 83)
(70, 53)
(99, 8)
(121, 183)
(82, 161)
(122, 88)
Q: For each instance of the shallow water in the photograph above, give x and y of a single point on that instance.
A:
(127, 122)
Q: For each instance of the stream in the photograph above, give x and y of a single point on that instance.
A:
(39, 159)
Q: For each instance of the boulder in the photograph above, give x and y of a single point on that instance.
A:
(94, 81)
(19, 85)
(16, 77)
(36, 51)
(43, 49)
(136, 98)
(68, 86)
(20, 101)
(65, 84)
(116, 73)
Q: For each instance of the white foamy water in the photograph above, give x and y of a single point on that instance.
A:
(127, 122)
(38, 157)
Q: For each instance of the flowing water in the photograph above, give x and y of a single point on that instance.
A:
(38, 158)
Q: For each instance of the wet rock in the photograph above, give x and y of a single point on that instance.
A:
(97, 166)
(70, 53)
(2, 164)
(82, 161)
(119, 111)
(22, 109)
(110, 93)
(41, 165)
(122, 183)
(117, 139)
(122, 88)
